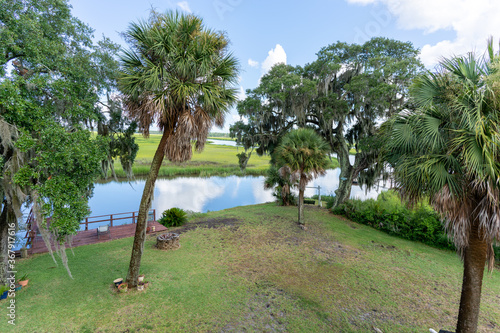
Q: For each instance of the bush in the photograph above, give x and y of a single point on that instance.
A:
(389, 214)
(173, 217)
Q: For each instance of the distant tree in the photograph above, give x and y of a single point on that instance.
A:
(304, 152)
(447, 151)
(244, 135)
(120, 131)
(359, 86)
(344, 94)
(51, 80)
(273, 108)
(180, 75)
(281, 180)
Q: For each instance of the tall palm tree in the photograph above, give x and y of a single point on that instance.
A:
(179, 75)
(304, 152)
(448, 151)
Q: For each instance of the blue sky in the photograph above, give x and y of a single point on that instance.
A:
(263, 33)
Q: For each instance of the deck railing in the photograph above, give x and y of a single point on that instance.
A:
(111, 218)
(30, 233)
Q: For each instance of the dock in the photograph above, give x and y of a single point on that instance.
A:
(89, 235)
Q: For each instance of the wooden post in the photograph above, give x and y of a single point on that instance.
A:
(319, 195)
(154, 214)
(86, 223)
(133, 217)
(111, 219)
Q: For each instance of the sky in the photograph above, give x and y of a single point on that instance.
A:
(264, 33)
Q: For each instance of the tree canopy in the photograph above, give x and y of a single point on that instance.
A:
(51, 81)
(344, 94)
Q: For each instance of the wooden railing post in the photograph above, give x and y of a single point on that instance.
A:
(154, 214)
(86, 223)
(133, 217)
(111, 219)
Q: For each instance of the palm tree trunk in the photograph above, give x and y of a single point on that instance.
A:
(140, 229)
(302, 187)
(474, 260)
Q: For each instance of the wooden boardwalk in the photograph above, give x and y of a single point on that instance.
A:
(86, 237)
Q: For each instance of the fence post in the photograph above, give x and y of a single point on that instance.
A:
(319, 195)
(133, 217)
(154, 215)
(86, 223)
(111, 219)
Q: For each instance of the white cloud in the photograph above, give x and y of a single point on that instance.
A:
(275, 56)
(184, 5)
(185, 193)
(241, 94)
(253, 63)
(473, 21)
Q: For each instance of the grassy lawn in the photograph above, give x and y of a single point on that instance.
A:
(214, 160)
(261, 273)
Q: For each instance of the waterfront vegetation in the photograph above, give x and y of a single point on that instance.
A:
(214, 160)
(259, 272)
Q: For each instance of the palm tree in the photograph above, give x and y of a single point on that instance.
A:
(281, 180)
(179, 75)
(448, 151)
(304, 152)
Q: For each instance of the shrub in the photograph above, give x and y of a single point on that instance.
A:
(389, 214)
(173, 217)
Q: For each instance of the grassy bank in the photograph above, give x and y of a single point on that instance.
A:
(222, 138)
(214, 160)
(256, 272)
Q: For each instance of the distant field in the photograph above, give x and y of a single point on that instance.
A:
(214, 160)
(222, 138)
(256, 272)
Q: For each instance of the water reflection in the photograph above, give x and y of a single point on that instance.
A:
(222, 142)
(203, 194)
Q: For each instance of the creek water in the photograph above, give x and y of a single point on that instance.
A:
(199, 194)
(203, 194)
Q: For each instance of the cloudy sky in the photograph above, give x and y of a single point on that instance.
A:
(263, 33)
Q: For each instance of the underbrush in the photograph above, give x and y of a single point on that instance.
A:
(389, 214)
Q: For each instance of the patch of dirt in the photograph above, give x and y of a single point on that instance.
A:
(233, 223)
(264, 314)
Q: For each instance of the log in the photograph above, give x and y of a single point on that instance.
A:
(168, 241)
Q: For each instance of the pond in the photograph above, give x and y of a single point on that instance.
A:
(222, 142)
(202, 194)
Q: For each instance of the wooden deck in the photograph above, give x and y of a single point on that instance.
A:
(86, 237)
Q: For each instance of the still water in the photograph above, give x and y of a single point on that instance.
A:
(202, 194)
(222, 142)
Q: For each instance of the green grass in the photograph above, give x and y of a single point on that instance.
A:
(262, 274)
(214, 160)
(222, 138)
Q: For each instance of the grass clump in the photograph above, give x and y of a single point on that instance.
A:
(173, 217)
